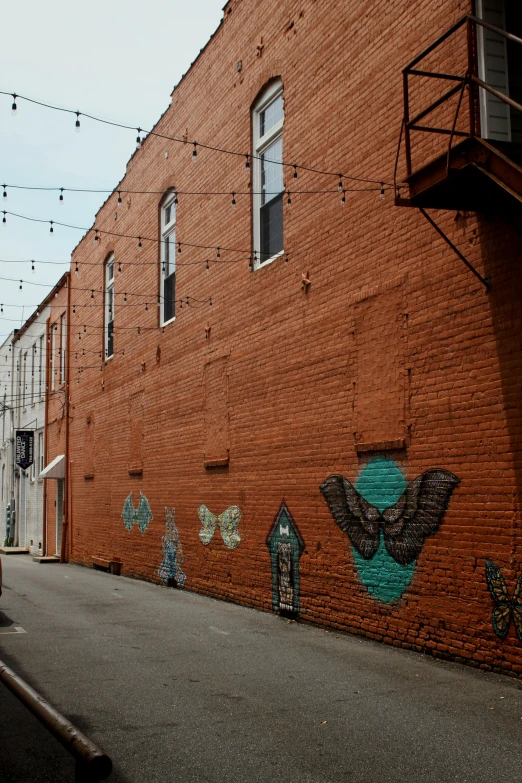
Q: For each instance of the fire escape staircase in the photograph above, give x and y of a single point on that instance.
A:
(473, 174)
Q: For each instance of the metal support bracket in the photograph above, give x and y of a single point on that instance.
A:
(455, 249)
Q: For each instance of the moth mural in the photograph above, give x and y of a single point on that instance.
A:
(286, 546)
(227, 521)
(507, 607)
(141, 515)
(388, 520)
(170, 569)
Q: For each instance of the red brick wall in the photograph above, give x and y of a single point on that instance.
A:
(392, 323)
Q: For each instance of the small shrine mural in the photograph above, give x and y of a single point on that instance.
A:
(286, 546)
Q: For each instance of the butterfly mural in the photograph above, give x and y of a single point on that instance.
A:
(170, 568)
(227, 521)
(141, 515)
(388, 520)
(507, 607)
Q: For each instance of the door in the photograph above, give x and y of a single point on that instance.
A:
(495, 115)
(59, 514)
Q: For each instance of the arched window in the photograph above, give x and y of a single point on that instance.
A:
(109, 306)
(267, 127)
(168, 259)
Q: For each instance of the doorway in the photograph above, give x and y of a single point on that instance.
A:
(59, 514)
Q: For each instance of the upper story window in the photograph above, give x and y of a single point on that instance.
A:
(168, 259)
(63, 346)
(268, 119)
(109, 306)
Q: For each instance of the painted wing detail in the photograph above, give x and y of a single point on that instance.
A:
(128, 512)
(501, 617)
(208, 524)
(417, 514)
(228, 522)
(357, 518)
(516, 603)
(143, 514)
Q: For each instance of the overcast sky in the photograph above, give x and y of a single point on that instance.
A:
(118, 60)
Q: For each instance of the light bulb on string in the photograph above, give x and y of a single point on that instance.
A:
(179, 247)
(194, 152)
(76, 267)
(247, 161)
(207, 268)
(233, 200)
(146, 306)
(343, 198)
(120, 202)
(124, 297)
(96, 237)
(119, 267)
(139, 244)
(218, 253)
(4, 219)
(60, 198)
(5, 191)
(1, 310)
(138, 139)
(92, 293)
(295, 172)
(20, 286)
(176, 198)
(382, 190)
(14, 107)
(51, 230)
(288, 198)
(77, 123)
(32, 266)
(340, 186)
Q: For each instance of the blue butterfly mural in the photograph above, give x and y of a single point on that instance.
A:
(388, 520)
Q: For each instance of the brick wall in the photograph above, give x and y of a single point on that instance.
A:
(393, 362)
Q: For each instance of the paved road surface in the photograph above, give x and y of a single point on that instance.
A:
(181, 688)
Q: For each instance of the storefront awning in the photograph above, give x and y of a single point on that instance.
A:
(55, 469)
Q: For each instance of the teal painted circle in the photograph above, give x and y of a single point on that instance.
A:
(381, 483)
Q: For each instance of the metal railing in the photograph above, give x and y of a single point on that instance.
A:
(468, 80)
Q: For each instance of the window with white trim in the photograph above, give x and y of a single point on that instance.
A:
(63, 346)
(268, 188)
(109, 306)
(41, 367)
(40, 452)
(168, 259)
(33, 363)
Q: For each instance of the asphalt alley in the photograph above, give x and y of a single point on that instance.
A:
(179, 687)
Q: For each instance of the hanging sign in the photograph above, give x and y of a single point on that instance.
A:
(24, 448)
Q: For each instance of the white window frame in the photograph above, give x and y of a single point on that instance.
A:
(272, 92)
(168, 230)
(41, 367)
(109, 305)
(33, 365)
(40, 452)
(53, 359)
(63, 346)
(24, 380)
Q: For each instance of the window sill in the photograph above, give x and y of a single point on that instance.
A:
(261, 264)
(166, 323)
(108, 359)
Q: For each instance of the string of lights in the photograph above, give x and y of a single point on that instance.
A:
(179, 192)
(195, 145)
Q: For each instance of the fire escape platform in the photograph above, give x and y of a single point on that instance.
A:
(476, 175)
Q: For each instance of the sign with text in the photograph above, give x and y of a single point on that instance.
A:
(24, 448)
